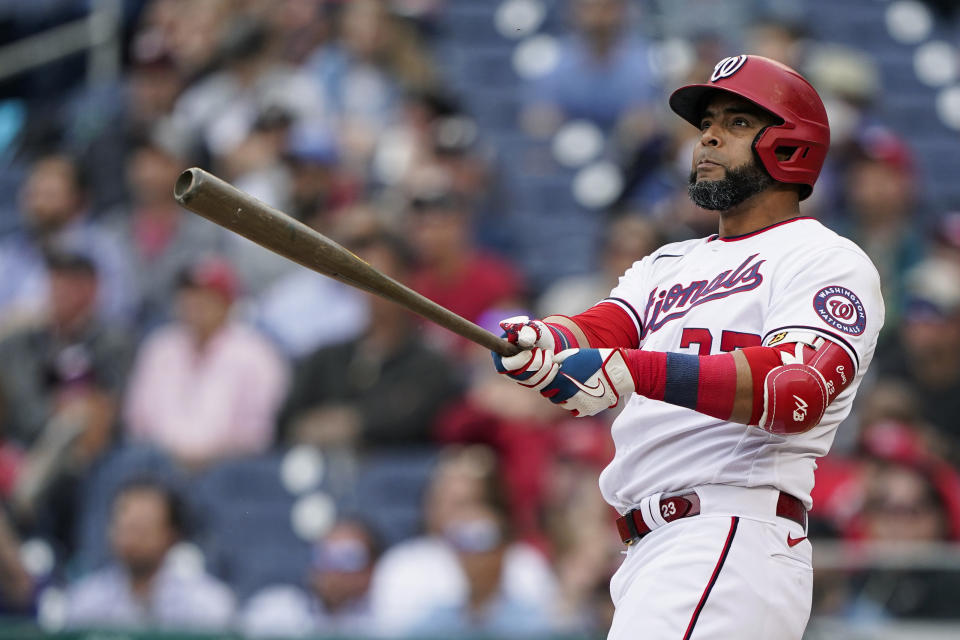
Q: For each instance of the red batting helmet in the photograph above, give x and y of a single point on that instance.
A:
(783, 92)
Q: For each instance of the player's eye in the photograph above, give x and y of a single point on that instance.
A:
(704, 125)
(741, 122)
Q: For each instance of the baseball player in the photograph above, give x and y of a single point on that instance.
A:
(737, 355)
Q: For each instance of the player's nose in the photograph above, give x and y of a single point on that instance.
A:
(708, 137)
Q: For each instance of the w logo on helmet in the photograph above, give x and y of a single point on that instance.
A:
(727, 67)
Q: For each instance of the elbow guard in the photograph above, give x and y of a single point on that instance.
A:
(794, 385)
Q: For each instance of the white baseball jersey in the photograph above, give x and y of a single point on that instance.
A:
(712, 295)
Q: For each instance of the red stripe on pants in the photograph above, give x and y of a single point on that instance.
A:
(734, 521)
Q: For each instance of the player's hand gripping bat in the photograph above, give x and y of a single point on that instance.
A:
(224, 204)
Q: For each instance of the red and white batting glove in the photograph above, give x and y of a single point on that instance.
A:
(533, 368)
(589, 380)
(534, 334)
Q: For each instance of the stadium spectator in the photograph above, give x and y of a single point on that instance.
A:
(480, 539)
(319, 188)
(882, 214)
(255, 165)
(451, 269)
(603, 74)
(897, 492)
(375, 58)
(204, 387)
(54, 213)
(382, 389)
(336, 600)
(304, 311)
(221, 109)
(423, 575)
(586, 551)
(144, 587)
(926, 357)
(296, 27)
(66, 360)
(67, 372)
(163, 239)
(907, 501)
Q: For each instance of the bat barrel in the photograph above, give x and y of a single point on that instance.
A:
(185, 184)
(218, 201)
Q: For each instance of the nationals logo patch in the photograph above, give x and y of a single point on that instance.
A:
(841, 309)
(727, 67)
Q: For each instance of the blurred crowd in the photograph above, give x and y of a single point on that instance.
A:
(128, 324)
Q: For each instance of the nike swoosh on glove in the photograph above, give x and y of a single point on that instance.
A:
(534, 368)
(589, 380)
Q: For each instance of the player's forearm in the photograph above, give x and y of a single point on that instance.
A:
(719, 385)
(783, 390)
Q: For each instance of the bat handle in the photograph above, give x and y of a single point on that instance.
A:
(504, 348)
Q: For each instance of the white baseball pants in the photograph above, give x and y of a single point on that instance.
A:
(729, 572)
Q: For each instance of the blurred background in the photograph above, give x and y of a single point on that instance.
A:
(197, 437)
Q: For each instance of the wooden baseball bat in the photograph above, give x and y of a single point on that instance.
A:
(221, 202)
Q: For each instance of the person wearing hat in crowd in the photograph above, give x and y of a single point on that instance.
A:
(205, 387)
(336, 598)
(62, 376)
(68, 354)
(882, 214)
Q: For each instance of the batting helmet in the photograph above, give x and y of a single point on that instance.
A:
(804, 131)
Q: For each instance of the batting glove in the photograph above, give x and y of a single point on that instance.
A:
(589, 380)
(534, 368)
(530, 334)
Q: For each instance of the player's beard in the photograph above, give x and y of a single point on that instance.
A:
(735, 187)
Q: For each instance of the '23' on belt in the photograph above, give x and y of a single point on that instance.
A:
(632, 527)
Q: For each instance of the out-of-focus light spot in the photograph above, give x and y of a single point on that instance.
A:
(519, 18)
(597, 185)
(948, 106)
(37, 557)
(935, 63)
(301, 469)
(312, 516)
(393, 156)
(52, 609)
(843, 118)
(456, 133)
(577, 143)
(186, 559)
(536, 56)
(673, 59)
(908, 21)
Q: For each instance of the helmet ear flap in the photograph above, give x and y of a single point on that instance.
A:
(783, 154)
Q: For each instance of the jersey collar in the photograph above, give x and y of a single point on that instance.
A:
(758, 231)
